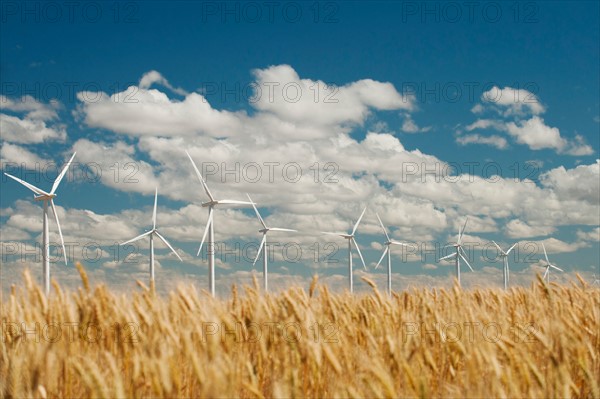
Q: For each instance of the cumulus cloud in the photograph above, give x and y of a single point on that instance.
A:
(520, 111)
(409, 126)
(493, 140)
(152, 77)
(517, 228)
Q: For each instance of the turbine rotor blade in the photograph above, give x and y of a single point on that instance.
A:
(359, 254)
(499, 249)
(208, 223)
(62, 174)
(200, 177)
(385, 251)
(546, 273)
(466, 261)
(447, 256)
(400, 243)
(545, 253)
(62, 241)
(382, 227)
(280, 229)
(163, 239)
(154, 211)
(234, 202)
(335, 234)
(511, 248)
(557, 268)
(257, 213)
(262, 243)
(358, 221)
(137, 238)
(462, 231)
(33, 188)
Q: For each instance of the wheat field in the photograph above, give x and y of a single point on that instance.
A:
(539, 341)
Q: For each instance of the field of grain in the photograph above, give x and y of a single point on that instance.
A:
(540, 341)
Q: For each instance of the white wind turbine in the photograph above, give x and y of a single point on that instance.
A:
(209, 225)
(596, 280)
(263, 244)
(41, 195)
(388, 251)
(151, 234)
(504, 256)
(460, 252)
(548, 266)
(350, 238)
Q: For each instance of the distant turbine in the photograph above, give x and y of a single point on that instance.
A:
(263, 244)
(504, 256)
(350, 238)
(209, 226)
(151, 234)
(596, 280)
(459, 252)
(388, 251)
(548, 266)
(41, 195)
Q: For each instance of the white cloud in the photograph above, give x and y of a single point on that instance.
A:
(513, 101)
(517, 228)
(493, 140)
(580, 183)
(12, 153)
(592, 235)
(409, 126)
(17, 130)
(149, 78)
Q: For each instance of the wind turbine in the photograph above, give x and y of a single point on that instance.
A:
(263, 244)
(504, 256)
(209, 225)
(549, 265)
(596, 280)
(41, 195)
(151, 234)
(460, 252)
(350, 238)
(388, 251)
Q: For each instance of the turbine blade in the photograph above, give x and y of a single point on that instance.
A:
(382, 256)
(257, 214)
(62, 174)
(466, 261)
(280, 229)
(234, 202)
(208, 223)
(262, 243)
(460, 249)
(200, 177)
(137, 238)
(400, 243)
(358, 221)
(511, 248)
(382, 227)
(545, 253)
(335, 234)
(359, 254)
(447, 256)
(557, 268)
(154, 211)
(499, 249)
(29, 186)
(62, 241)
(546, 272)
(163, 239)
(462, 231)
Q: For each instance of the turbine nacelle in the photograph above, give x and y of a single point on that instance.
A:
(44, 197)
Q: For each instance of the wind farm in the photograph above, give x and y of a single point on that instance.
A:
(299, 199)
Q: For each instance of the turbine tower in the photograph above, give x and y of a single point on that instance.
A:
(460, 252)
(151, 234)
(504, 256)
(388, 251)
(350, 238)
(263, 244)
(210, 225)
(548, 266)
(41, 195)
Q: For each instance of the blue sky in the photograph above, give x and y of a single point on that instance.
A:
(499, 85)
